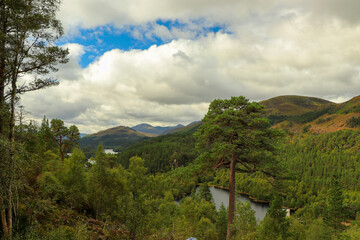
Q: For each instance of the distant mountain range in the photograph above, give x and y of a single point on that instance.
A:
(295, 114)
(147, 128)
(121, 137)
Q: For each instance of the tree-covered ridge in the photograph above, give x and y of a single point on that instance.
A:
(313, 160)
(164, 153)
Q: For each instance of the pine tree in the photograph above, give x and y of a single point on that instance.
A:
(221, 222)
(205, 193)
(234, 134)
(335, 210)
(274, 225)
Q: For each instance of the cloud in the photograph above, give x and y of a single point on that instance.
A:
(347, 10)
(68, 71)
(85, 13)
(267, 48)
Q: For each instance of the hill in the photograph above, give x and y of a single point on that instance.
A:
(295, 114)
(147, 128)
(304, 114)
(119, 137)
(164, 152)
(292, 105)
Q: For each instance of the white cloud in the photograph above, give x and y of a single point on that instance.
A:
(274, 48)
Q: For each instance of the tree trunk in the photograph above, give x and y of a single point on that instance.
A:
(10, 220)
(2, 68)
(61, 150)
(230, 232)
(4, 223)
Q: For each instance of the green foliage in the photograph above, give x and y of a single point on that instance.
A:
(205, 193)
(221, 222)
(74, 179)
(105, 185)
(274, 225)
(5, 166)
(302, 118)
(318, 230)
(335, 210)
(51, 187)
(323, 120)
(235, 126)
(66, 138)
(244, 224)
(306, 128)
(197, 218)
(163, 153)
(353, 122)
(296, 230)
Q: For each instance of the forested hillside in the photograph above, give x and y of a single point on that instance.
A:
(120, 137)
(147, 128)
(164, 153)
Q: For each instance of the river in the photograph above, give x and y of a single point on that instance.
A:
(222, 196)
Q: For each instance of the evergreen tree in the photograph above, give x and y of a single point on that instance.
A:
(74, 179)
(244, 225)
(66, 138)
(105, 186)
(205, 193)
(221, 222)
(28, 31)
(335, 210)
(235, 133)
(60, 131)
(274, 225)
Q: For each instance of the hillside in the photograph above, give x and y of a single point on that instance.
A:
(183, 129)
(166, 151)
(119, 137)
(147, 128)
(326, 116)
(292, 105)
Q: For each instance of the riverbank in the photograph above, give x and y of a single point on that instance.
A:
(242, 193)
(249, 196)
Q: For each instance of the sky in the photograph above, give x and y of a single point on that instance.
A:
(163, 61)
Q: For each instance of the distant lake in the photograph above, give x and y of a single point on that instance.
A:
(222, 196)
(110, 151)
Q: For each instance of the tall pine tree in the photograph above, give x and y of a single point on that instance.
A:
(235, 135)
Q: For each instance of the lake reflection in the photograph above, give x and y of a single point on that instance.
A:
(222, 196)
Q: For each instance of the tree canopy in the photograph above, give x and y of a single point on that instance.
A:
(235, 134)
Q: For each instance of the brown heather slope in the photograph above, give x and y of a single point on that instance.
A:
(334, 118)
(291, 105)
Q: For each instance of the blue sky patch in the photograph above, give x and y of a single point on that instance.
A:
(99, 40)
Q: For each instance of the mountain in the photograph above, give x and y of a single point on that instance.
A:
(291, 105)
(294, 114)
(119, 137)
(299, 114)
(147, 128)
(183, 129)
